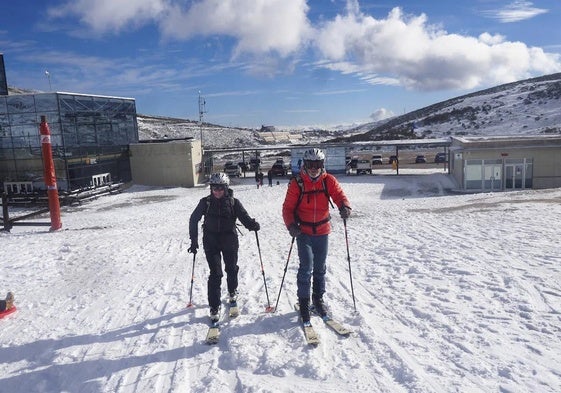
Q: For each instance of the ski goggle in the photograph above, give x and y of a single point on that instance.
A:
(217, 188)
(313, 164)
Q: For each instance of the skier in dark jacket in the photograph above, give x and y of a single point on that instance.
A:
(220, 239)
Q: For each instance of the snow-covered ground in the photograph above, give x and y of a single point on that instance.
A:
(454, 293)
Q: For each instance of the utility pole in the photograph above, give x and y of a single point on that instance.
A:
(48, 75)
(202, 111)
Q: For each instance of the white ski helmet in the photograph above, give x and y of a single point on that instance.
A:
(219, 178)
(314, 158)
(314, 155)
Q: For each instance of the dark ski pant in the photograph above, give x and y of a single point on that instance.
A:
(218, 246)
(312, 251)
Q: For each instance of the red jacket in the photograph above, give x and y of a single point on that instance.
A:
(313, 210)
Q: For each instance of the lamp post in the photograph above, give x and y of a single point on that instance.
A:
(202, 111)
(48, 75)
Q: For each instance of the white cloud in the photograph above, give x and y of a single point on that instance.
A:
(102, 16)
(262, 26)
(422, 56)
(381, 114)
(516, 12)
(270, 34)
(258, 26)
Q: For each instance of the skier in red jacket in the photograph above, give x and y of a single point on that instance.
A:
(306, 215)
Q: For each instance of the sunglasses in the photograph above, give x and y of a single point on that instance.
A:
(217, 188)
(313, 164)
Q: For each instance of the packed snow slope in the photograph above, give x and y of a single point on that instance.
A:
(454, 293)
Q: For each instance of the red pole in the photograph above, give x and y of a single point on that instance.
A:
(49, 175)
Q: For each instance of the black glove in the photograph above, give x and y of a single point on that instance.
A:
(294, 230)
(194, 246)
(254, 226)
(345, 212)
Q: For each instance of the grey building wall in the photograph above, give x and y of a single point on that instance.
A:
(167, 164)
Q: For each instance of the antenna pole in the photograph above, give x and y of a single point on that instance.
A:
(202, 111)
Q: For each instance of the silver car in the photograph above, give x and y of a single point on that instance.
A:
(232, 169)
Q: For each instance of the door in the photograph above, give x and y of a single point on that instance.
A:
(492, 179)
(514, 176)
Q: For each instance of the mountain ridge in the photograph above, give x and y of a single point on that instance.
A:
(527, 107)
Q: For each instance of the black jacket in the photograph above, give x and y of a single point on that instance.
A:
(220, 216)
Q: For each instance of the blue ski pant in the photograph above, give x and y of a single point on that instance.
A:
(312, 252)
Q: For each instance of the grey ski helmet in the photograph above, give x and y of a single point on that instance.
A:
(219, 178)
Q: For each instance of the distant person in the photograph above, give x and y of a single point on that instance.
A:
(220, 238)
(259, 178)
(270, 177)
(306, 215)
(7, 303)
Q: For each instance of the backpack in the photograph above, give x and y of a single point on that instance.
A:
(300, 183)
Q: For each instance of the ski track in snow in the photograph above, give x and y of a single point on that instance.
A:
(454, 293)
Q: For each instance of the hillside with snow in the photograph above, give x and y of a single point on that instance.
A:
(529, 107)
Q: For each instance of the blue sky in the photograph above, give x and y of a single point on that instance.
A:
(287, 63)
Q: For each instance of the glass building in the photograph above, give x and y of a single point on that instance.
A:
(90, 136)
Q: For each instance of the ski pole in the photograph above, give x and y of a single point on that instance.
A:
(190, 304)
(268, 309)
(349, 259)
(285, 268)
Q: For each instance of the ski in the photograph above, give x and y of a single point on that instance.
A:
(310, 334)
(336, 326)
(213, 334)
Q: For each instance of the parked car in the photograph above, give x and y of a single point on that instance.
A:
(377, 159)
(364, 166)
(254, 164)
(352, 164)
(440, 157)
(280, 168)
(420, 159)
(244, 166)
(392, 159)
(232, 169)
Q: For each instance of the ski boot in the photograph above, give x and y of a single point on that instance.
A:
(304, 305)
(319, 306)
(214, 314)
(233, 298)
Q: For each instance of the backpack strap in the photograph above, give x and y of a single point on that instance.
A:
(232, 202)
